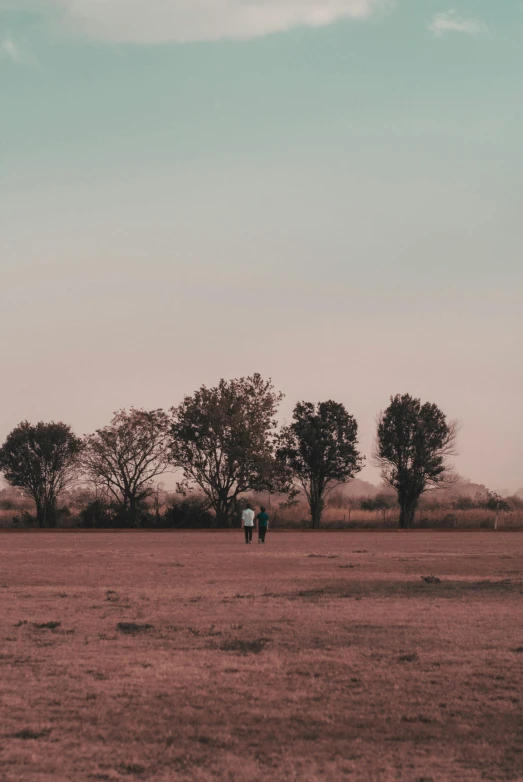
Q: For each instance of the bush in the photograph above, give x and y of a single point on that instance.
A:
(181, 513)
(188, 513)
(24, 519)
(491, 501)
(515, 502)
(95, 514)
(102, 514)
(380, 502)
(464, 502)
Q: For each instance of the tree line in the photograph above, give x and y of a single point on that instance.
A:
(225, 442)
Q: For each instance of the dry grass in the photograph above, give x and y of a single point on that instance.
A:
(334, 517)
(190, 656)
(356, 518)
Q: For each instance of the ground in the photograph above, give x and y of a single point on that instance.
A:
(319, 656)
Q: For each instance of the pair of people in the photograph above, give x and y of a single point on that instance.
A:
(248, 523)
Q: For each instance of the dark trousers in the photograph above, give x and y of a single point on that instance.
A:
(262, 531)
(248, 534)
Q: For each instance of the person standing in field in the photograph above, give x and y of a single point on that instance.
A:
(248, 523)
(263, 524)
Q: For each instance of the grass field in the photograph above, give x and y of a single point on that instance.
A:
(190, 656)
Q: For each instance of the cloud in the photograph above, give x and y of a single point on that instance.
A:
(15, 53)
(451, 22)
(158, 21)
(9, 50)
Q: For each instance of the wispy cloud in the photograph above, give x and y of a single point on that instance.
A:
(16, 53)
(452, 22)
(9, 50)
(157, 21)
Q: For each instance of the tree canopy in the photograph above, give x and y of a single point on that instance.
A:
(124, 457)
(412, 445)
(223, 440)
(42, 459)
(319, 450)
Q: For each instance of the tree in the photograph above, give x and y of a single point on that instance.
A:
(319, 450)
(412, 445)
(222, 438)
(491, 500)
(42, 459)
(124, 457)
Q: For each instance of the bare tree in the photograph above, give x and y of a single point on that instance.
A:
(125, 457)
(412, 447)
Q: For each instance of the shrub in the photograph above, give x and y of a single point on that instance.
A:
(380, 502)
(24, 519)
(188, 513)
(95, 514)
(491, 501)
(464, 502)
(103, 514)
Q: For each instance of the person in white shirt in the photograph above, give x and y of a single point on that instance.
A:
(248, 523)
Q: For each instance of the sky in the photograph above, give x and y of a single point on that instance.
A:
(328, 192)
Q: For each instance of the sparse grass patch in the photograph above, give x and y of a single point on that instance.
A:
(255, 646)
(29, 734)
(412, 657)
(132, 769)
(47, 625)
(133, 628)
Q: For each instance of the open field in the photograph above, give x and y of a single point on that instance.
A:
(190, 656)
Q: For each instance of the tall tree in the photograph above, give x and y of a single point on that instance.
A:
(412, 445)
(319, 449)
(222, 439)
(43, 460)
(124, 457)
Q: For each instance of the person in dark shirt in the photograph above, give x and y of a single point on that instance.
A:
(263, 524)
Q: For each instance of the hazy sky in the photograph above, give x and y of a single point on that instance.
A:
(329, 192)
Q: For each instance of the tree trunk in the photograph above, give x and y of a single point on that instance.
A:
(40, 515)
(133, 512)
(407, 511)
(45, 513)
(316, 508)
(222, 510)
(50, 515)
